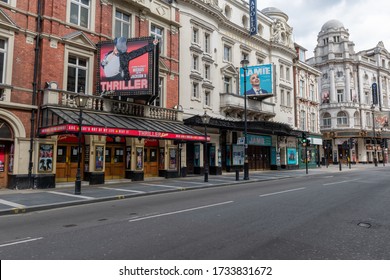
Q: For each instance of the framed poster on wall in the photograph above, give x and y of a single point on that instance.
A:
(172, 158)
(99, 151)
(139, 156)
(128, 157)
(292, 156)
(45, 161)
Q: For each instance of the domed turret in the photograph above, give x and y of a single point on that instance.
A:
(332, 24)
(273, 12)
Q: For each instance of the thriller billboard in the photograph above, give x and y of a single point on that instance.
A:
(128, 67)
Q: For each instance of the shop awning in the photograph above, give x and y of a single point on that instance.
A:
(64, 121)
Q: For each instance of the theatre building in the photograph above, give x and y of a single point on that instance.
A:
(121, 58)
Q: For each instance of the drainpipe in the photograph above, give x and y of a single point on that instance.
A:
(34, 94)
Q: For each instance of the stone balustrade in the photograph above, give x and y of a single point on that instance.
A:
(54, 97)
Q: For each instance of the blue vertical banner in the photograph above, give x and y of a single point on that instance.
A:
(375, 94)
(253, 17)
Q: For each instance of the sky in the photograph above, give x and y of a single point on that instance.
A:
(368, 22)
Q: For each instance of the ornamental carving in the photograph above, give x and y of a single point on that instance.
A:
(282, 34)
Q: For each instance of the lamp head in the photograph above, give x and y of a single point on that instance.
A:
(244, 63)
(81, 100)
(205, 118)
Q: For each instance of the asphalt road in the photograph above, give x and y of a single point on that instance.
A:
(326, 216)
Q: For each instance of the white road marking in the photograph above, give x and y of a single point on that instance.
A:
(72, 195)
(13, 204)
(292, 190)
(226, 180)
(21, 241)
(180, 211)
(340, 182)
(163, 186)
(121, 190)
(195, 183)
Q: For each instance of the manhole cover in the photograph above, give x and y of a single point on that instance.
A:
(365, 225)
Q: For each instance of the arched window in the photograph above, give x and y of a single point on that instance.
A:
(326, 120)
(5, 131)
(342, 119)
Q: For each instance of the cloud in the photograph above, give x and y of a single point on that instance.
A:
(365, 20)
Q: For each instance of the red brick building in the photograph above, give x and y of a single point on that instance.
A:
(49, 53)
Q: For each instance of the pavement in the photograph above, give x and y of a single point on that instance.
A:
(29, 200)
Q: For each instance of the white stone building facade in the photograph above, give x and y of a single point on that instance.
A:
(214, 39)
(354, 129)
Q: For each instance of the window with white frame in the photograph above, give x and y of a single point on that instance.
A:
(122, 24)
(368, 119)
(158, 102)
(288, 98)
(311, 92)
(312, 122)
(227, 53)
(282, 97)
(80, 12)
(326, 120)
(281, 71)
(367, 98)
(303, 119)
(195, 35)
(227, 84)
(158, 33)
(195, 90)
(342, 119)
(356, 118)
(302, 55)
(259, 61)
(195, 62)
(77, 74)
(207, 43)
(340, 95)
(207, 98)
(3, 60)
(288, 73)
(301, 88)
(207, 72)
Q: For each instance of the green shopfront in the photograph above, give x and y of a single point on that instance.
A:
(312, 152)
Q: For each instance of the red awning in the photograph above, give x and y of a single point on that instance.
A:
(97, 123)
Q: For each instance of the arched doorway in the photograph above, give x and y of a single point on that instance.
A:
(6, 153)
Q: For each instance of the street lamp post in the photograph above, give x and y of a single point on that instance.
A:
(373, 133)
(205, 120)
(382, 144)
(81, 102)
(244, 64)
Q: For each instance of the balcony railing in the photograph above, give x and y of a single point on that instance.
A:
(61, 98)
(236, 102)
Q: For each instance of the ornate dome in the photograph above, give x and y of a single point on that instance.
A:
(332, 24)
(271, 9)
(274, 12)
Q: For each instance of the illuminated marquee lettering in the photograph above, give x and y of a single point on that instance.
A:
(124, 85)
(71, 128)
